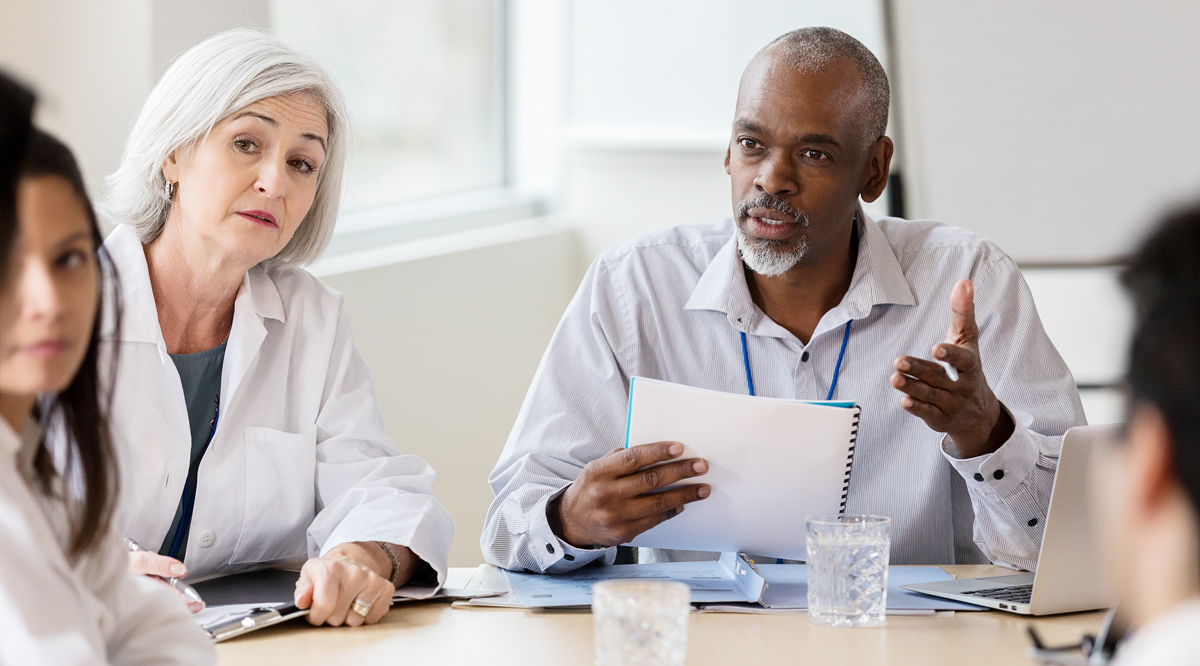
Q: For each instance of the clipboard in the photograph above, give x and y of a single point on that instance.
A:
(226, 628)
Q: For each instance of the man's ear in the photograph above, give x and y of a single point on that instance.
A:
(1152, 481)
(727, 154)
(875, 172)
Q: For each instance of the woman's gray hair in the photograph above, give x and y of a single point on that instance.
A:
(206, 84)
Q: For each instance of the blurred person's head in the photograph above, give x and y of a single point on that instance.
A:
(16, 110)
(1148, 484)
(808, 141)
(239, 149)
(50, 348)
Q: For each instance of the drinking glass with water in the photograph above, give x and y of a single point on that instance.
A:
(641, 622)
(847, 569)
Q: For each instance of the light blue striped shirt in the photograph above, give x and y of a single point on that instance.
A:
(671, 306)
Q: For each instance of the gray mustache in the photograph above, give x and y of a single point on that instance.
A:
(773, 202)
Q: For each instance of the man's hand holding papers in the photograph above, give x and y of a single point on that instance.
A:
(619, 495)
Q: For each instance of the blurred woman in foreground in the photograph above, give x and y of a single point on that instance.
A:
(66, 593)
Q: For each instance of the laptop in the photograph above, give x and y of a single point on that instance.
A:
(1069, 574)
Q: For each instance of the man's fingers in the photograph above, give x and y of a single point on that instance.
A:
(643, 524)
(153, 564)
(963, 358)
(929, 413)
(661, 476)
(963, 330)
(919, 389)
(628, 461)
(667, 500)
(927, 371)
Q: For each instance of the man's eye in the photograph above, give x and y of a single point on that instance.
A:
(814, 154)
(748, 144)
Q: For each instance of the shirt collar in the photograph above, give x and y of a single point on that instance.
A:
(139, 321)
(878, 280)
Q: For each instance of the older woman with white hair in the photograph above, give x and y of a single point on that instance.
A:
(247, 419)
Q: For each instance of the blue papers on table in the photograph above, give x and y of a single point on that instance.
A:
(772, 463)
(787, 591)
(728, 580)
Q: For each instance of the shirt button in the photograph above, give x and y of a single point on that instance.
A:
(549, 548)
(1032, 522)
(978, 476)
(804, 357)
(207, 538)
(998, 474)
(569, 557)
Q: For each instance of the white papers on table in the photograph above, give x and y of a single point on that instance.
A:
(728, 580)
(787, 592)
(772, 463)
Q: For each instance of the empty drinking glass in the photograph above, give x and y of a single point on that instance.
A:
(847, 569)
(640, 622)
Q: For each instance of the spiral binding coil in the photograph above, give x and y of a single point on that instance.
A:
(850, 458)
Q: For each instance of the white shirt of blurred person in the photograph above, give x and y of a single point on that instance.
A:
(1147, 484)
(213, 226)
(66, 593)
(798, 271)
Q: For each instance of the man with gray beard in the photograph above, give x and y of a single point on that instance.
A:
(800, 296)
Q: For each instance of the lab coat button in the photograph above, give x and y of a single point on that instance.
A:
(207, 538)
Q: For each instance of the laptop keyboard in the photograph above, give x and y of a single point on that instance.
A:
(1016, 594)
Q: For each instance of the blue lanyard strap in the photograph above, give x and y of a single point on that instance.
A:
(746, 360)
(837, 370)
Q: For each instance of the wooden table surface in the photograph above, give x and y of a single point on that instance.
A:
(435, 633)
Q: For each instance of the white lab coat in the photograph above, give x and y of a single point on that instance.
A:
(299, 462)
(91, 611)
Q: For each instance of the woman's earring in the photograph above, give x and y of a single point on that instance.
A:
(169, 190)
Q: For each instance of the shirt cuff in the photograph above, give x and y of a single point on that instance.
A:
(552, 553)
(1001, 472)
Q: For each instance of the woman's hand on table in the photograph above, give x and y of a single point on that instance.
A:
(331, 585)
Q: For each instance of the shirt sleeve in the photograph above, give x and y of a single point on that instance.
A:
(366, 489)
(557, 433)
(1010, 488)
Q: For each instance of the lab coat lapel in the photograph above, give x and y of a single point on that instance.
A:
(257, 300)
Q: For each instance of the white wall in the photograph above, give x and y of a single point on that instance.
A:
(453, 329)
(93, 63)
(1058, 129)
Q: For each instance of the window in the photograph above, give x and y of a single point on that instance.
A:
(424, 80)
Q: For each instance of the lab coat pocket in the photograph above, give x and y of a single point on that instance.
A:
(280, 495)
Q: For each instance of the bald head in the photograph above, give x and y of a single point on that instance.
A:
(819, 50)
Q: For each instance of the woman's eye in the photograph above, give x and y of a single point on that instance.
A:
(303, 165)
(72, 259)
(244, 145)
(748, 144)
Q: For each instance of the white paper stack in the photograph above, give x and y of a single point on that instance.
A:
(772, 463)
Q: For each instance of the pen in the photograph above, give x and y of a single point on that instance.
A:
(183, 588)
(951, 371)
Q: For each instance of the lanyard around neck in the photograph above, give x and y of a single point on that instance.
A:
(837, 370)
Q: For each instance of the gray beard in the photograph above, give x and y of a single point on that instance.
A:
(769, 259)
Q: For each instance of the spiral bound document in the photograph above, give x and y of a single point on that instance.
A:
(772, 463)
